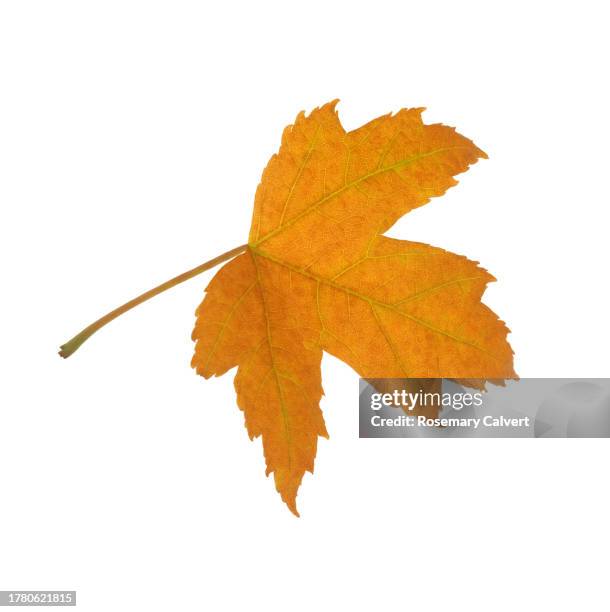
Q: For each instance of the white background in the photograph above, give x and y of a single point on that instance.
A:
(132, 138)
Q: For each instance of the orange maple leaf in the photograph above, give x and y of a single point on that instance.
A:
(318, 275)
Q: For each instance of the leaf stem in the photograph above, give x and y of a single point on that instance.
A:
(65, 350)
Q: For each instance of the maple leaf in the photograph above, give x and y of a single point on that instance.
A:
(317, 274)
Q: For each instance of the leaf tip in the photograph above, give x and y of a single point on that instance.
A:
(293, 508)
